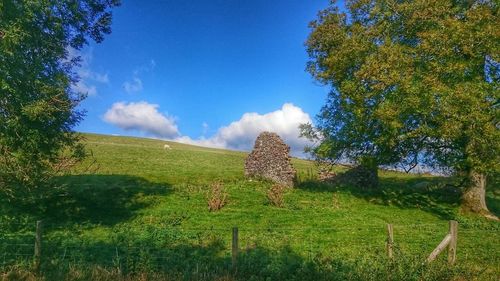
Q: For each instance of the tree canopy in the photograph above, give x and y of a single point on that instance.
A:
(413, 82)
(38, 109)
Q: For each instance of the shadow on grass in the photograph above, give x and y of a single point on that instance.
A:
(493, 201)
(430, 194)
(101, 199)
(211, 261)
(91, 199)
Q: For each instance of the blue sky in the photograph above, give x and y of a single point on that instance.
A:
(212, 73)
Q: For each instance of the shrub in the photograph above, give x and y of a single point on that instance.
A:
(336, 201)
(217, 197)
(275, 195)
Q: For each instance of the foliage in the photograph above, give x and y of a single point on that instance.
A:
(38, 108)
(145, 210)
(217, 197)
(412, 82)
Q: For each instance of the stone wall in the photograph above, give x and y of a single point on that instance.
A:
(270, 160)
(358, 176)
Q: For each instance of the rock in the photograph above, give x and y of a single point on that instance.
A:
(325, 175)
(358, 176)
(422, 186)
(270, 160)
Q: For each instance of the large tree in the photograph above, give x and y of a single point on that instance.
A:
(38, 109)
(413, 82)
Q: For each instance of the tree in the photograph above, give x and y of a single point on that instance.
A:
(38, 109)
(413, 82)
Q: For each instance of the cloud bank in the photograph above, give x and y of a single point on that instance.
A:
(241, 134)
(238, 135)
(143, 117)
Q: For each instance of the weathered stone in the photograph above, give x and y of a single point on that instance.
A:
(270, 160)
(325, 175)
(358, 176)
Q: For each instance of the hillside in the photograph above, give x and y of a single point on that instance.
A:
(141, 207)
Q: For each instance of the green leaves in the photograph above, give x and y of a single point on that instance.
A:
(415, 79)
(37, 107)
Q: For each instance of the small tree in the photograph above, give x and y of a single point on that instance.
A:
(37, 107)
(412, 82)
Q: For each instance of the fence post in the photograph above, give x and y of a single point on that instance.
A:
(452, 247)
(234, 252)
(390, 241)
(38, 246)
(450, 242)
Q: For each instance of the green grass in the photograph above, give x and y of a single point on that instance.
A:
(141, 208)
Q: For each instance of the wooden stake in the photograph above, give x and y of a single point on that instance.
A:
(439, 248)
(38, 246)
(234, 253)
(390, 241)
(452, 247)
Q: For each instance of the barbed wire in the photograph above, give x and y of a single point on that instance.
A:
(311, 239)
(430, 226)
(16, 244)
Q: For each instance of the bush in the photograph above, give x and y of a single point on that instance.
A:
(336, 201)
(217, 197)
(275, 195)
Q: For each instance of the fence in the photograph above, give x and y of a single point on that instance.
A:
(48, 244)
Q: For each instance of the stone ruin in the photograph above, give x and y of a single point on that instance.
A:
(357, 176)
(270, 160)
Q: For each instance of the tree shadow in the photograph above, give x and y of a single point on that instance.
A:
(431, 194)
(493, 200)
(204, 261)
(90, 199)
(79, 200)
(211, 260)
(100, 199)
(493, 204)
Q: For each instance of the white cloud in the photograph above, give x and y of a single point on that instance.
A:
(241, 134)
(101, 78)
(134, 86)
(143, 117)
(82, 87)
(205, 127)
(87, 77)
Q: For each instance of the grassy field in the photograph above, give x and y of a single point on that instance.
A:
(142, 211)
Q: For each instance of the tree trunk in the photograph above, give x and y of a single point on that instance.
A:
(474, 196)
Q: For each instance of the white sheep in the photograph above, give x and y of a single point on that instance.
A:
(166, 146)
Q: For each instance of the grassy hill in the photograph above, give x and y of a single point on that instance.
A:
(142, 208)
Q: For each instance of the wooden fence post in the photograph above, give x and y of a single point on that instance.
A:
(450, 241)
(234, 252)
(452, 247)
(439, 248)
(38, 246)
(390, 240)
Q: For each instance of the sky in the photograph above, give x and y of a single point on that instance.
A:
(211, 73)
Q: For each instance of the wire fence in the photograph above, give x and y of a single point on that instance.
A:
(181, 248)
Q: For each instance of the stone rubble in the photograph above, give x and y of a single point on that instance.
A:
(357, 176)
(270, 160)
